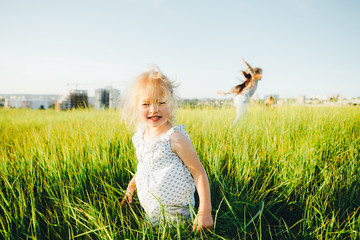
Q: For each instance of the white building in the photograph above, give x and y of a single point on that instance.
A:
(30, 101)
(106, 98)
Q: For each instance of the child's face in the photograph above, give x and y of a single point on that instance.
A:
(153, 112)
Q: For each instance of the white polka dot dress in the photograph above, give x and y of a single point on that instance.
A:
(164, 183)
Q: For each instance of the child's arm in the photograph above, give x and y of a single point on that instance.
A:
(251, 70)
(233, 90)
(129, 191)
(182, 146)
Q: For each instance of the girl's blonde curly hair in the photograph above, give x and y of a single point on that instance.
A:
(153, 85)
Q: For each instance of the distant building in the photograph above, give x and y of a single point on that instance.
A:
(73, 99)
(30, 101)
(106, 98)
(301, 100)
(282, 102)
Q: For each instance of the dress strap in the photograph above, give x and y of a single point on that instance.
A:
(181, 128)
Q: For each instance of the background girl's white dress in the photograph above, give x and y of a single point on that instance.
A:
(163, 182)
(240, 100)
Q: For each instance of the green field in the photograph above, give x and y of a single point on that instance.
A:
(283, 173)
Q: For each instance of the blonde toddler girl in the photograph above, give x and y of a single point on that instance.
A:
(168, 166)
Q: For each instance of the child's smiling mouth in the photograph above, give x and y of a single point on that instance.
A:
(154, 118)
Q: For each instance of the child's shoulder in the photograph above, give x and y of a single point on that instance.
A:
(179, 133)
(180, 140)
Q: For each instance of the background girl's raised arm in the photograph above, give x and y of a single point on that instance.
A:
(232, 90)
(251, 70)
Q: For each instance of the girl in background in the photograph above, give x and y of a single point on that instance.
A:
(168, 166)
(245, 90)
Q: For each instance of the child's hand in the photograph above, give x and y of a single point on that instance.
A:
(221, 93)
(203, 221)
(129, 193)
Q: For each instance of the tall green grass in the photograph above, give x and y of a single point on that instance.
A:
(283, 173)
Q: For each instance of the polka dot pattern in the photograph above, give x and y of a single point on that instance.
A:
(164, 183)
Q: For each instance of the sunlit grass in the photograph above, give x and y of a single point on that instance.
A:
(283, 173)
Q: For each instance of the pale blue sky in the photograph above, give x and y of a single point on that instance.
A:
(305, 47)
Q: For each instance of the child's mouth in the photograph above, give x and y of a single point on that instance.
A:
(154, 118)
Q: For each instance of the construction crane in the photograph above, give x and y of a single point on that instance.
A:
(76, 85)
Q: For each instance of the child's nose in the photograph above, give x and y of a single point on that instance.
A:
(154, 107)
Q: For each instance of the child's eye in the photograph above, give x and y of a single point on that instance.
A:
(145, 104)
(162, 102)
